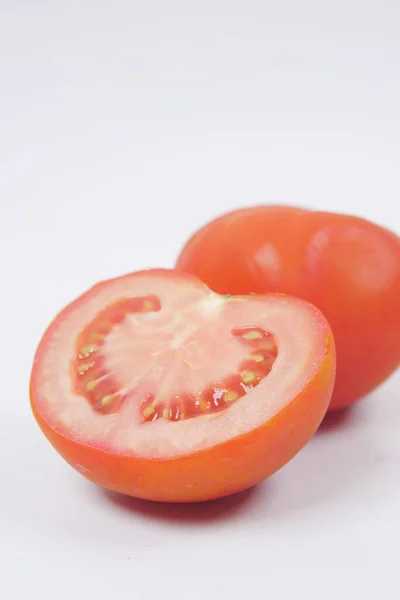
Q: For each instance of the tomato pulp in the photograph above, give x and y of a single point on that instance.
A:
(346, 266)
(154, 386)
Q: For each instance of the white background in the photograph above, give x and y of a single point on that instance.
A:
(123, 127)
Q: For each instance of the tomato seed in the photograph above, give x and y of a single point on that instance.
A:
(149, 305)
(110, 403)
(84, 368)
(252, 335)
(91, 385)
(204, 404)
(148, 412)
(257, 357)
(230, 396)
(247, 376)
(87, 350)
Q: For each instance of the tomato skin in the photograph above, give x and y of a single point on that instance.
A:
(346, 266)
(219, 471)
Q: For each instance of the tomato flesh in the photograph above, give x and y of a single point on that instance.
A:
(155, 367)
(104, 393)
(346, 266)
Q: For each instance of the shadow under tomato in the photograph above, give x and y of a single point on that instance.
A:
(346, 451)
(194, 513)
(327, 472)
(337, 419)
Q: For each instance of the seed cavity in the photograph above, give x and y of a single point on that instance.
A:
(103, 393)
(217, 397)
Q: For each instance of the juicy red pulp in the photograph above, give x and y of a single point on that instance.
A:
(93, 380)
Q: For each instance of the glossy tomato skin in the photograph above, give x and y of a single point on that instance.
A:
(348, 267)
(219, 471)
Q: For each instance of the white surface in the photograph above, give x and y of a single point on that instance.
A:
(124, 126)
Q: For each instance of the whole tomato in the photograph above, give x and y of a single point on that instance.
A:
(347, 266)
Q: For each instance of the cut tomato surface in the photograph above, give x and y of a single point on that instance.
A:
(154, 386)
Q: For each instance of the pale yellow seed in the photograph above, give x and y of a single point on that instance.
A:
(99, 337)
(92, 384)
(203, 404)
(247, 376)
(107, 399)
(257, 357)
(89, 349)
(230, 396)
(148, 305)
(166, 413)
(253, 334)
(83, 368)
(148, 411)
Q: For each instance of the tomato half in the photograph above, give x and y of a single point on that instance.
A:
(346, 266)
(154, 386)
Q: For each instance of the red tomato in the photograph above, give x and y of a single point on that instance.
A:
(154, 386)
(348, 267)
